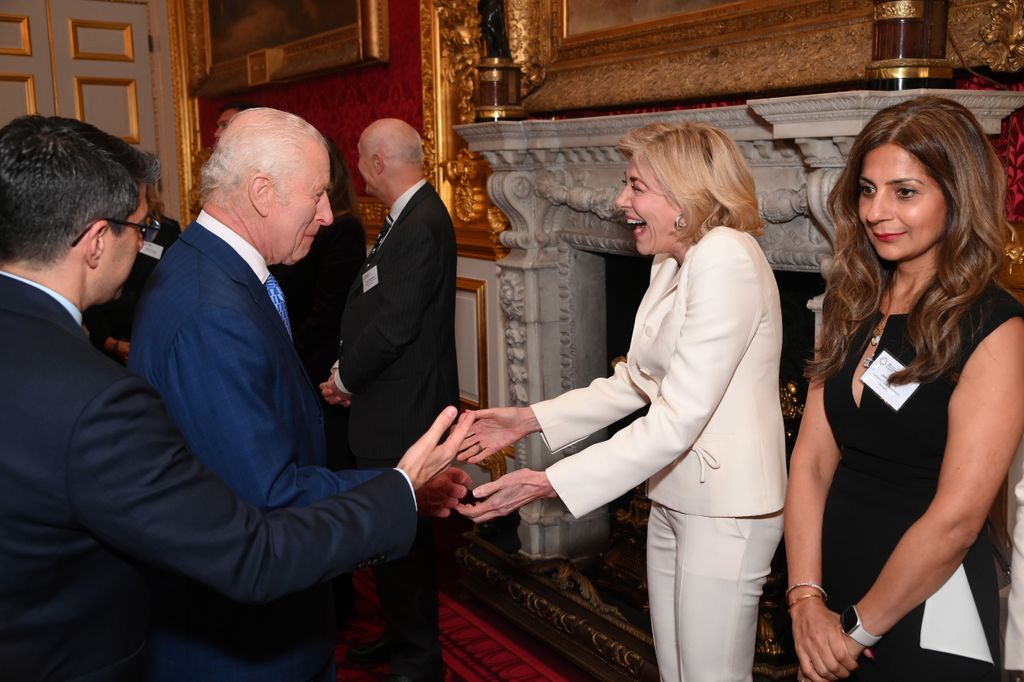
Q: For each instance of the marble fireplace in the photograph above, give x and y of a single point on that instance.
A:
(556, 181)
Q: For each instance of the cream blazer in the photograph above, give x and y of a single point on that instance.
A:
(705, 354)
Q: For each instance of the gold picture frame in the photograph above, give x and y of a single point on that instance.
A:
(214, 72)
(728, 50)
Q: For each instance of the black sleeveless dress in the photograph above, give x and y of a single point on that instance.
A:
(885, 480)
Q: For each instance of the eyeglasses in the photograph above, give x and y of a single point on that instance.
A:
(142, 228)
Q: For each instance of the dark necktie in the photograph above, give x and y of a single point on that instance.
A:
(277, 298)
(388, 222)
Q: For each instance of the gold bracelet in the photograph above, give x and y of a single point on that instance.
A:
(809, 595)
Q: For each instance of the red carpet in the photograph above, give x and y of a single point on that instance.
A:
(474, 650)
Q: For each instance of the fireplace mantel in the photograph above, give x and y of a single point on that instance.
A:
(556, 180)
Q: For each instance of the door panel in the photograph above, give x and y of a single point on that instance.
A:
(102, 59)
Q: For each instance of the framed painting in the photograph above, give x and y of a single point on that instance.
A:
(603, 54)
(237, 44)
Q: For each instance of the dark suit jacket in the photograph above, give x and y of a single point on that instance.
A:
(210, 341)
(95, 481)
(316, 288)
(399, 336)
(114, 318)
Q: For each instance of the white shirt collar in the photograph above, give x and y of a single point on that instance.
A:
(67, 305)
(400, 202)
(244, 249)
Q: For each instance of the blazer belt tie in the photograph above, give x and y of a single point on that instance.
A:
(706, 460)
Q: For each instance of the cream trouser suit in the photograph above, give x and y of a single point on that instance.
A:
(705, 355)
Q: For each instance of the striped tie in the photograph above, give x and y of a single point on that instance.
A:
(277, 298)
(388, 222)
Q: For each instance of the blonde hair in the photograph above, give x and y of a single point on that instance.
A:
(701, 170)
(949, 143)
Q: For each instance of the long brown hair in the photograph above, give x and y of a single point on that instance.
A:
(947, 140)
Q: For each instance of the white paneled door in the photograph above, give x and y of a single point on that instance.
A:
(84, 59)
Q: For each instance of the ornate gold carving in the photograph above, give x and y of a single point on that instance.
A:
(540, 607)
(459, 23)
(789, 395)
(1013, 273)
(373, 211)
(567, 578)
(905, 9)
(462, 171)
(497, 222)
(496, 464)
(431, 96)
(1001, 44)
(526, 28)
(450, 40)
(737, 49)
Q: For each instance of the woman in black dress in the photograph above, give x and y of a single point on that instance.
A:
(914, 411)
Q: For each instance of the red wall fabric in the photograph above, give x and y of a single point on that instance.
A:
(1009, 145)
(341, 104)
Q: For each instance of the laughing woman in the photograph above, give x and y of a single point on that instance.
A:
(914, 412)
(705, 356)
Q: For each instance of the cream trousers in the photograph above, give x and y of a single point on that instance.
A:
(704, 577)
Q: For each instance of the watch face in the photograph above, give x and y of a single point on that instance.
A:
(848, 619)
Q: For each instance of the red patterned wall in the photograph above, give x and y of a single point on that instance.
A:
(342, 104)
(1010, 147)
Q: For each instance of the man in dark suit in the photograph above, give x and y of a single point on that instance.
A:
(110, 324)
(398, 365)
(212, 336)
(95, 481)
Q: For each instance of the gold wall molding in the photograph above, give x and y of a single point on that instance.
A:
(24, 47)
(28, 83)
(1001, 41)
(450, 51)
(905, 9)
(129, 89)
(477, 288)
(127, 53)
(741, 49)
(365, 42)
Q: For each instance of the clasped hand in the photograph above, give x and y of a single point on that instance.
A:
(332, 394)
(493, 430)
(826, 652)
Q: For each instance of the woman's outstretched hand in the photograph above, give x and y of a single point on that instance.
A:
(505, 495)
(495, 429)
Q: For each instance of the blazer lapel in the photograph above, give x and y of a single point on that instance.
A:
(235, 267)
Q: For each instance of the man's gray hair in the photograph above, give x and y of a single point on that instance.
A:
(260, 140)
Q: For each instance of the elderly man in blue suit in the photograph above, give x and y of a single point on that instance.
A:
(212, 337)
(95, 481)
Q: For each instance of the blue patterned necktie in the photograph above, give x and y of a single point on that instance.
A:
(277, 298)
(388, 222)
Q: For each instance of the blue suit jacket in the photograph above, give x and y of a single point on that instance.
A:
(208, 338)
(95, 482)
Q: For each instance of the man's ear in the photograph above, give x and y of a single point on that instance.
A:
(94, 243)
(378, 163)
(262, 193)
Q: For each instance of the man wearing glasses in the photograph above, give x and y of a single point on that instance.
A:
(95, 481)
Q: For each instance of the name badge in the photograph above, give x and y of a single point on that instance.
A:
(152, 249)
(370, 279)
(876, 377)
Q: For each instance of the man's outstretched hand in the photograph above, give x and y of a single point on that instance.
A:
(426, 458)
(438, 497)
